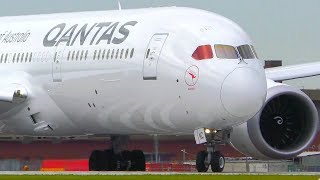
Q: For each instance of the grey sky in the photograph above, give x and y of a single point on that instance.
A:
(281, 29)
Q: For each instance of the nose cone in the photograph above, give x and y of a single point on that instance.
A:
(243, 92)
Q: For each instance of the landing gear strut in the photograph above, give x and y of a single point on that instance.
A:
(117, 159)
(210, 156)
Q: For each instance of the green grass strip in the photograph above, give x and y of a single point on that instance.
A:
(159, 177)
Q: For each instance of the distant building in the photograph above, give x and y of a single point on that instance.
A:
(272, 63)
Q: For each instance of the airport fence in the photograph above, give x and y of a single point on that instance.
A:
(252, 166)
(20, 164)
(301, 168)
(175, 167)
(232, 166)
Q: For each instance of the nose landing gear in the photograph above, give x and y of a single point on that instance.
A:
(210, 156)
(217, 162)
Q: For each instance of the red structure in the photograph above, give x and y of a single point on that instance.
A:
(170, 148)
(73, 155)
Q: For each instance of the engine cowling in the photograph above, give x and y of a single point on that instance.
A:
(285, 126)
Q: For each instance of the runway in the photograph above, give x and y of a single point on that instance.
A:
(116, 173)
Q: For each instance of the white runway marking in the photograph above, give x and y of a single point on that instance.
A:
(115, 173)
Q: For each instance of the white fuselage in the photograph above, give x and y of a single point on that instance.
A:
(77, 86)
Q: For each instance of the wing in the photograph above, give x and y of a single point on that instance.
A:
(12, 93)
(293, 72)
(11, 96)
(26, 108)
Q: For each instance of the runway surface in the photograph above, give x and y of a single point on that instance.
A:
(148, 173)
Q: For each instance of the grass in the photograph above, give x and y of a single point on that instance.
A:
(158, 177)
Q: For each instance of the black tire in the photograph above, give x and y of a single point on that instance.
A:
(201, 165)
(110, 162)
(96, 161)
(138, 161)
(217, 162)
(125, 157)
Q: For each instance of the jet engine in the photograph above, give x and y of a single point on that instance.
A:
(282, 129)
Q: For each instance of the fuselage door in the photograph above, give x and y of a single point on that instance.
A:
(152, 56)
(57, 62)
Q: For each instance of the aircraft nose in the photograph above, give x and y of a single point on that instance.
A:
(243, 92)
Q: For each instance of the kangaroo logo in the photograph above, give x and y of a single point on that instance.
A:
(192, 75)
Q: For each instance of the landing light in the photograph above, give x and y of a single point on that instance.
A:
(214, 131)
(207, 131)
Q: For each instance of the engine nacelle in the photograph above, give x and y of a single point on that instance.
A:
(285, 127)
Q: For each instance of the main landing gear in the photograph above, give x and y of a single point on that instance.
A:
(117, 159)
(210, 156)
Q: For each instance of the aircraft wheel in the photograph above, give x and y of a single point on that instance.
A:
(110, 163)
(138, 161)
(125, 160)
(96, 161)
(217, 162)
(202, 164)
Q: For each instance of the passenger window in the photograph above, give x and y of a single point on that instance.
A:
(112, 54)
(73, 53)
(94, 55)
(77, 56)
(55, 57)
(86, 56)
(5, 60)
(81, 56)
(30, 58)
(225, 51)
(99, 54)
(127, 52)
(121, 54)
(108, 53)
(104, 52)
(22, 57)
(18, 57)
(26, 59)
(117, 53)
(68, 58)
(132, 52)
(14, 57)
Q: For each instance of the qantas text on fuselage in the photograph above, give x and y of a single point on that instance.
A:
(61, 33)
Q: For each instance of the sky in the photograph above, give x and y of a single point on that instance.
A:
(287, 30)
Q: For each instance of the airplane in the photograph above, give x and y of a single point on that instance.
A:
(153, 71)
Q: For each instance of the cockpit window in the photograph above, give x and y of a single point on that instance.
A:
(254, 51)
(247, 52)
(225, 51)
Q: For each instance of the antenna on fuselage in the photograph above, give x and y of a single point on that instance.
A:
(119, 5)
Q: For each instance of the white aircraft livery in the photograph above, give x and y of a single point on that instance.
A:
(156, 71)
